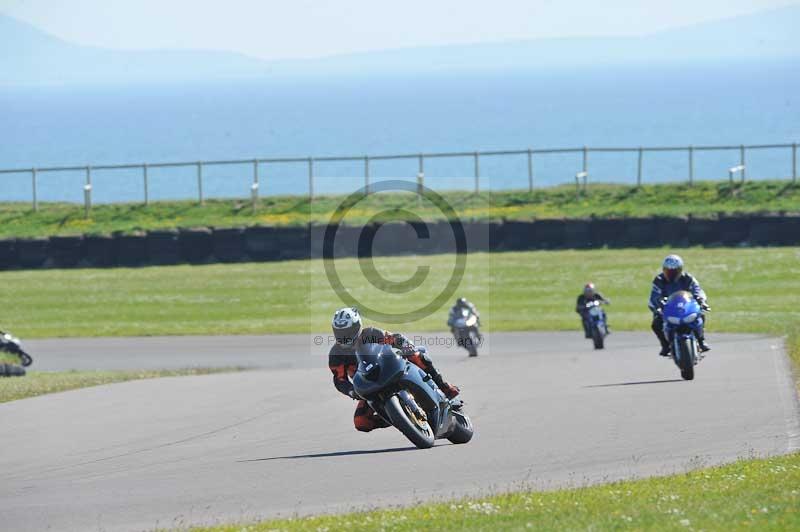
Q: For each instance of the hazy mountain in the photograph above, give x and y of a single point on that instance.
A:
(33, 57)
(30, 56)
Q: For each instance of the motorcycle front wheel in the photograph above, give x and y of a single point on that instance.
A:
(686, 358)
(597, 337)
(418, 431)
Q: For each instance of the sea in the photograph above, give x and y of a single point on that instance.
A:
(677, 105)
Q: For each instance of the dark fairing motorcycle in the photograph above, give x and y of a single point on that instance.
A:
(682, 317)
(465, 329)
(595, 323)
(406, 397)
(11, 344)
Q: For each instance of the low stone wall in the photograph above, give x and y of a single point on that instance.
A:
(206, 245)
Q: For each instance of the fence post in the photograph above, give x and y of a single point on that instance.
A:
(530, 170)
(254, 186)
(585, 167)
(741, 161)
(200, 183)
(33, 183)
(146, 186)
(366, 174)
(691, 165)
(87, 192)
(639, 169)
(794, 163)
(310, 178)
(477, 173)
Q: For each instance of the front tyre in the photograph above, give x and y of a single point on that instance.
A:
(418, 431)
(597, 337)
(686, 357)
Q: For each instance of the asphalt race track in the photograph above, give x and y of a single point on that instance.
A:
(548, 410)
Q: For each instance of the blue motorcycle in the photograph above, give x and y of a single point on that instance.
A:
(406, 397)
(683, 317)
(594, 323)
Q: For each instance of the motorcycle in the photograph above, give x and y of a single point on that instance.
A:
(405, 396)
(465, 329)
(682, 317)
(11, 344)
(595, 323)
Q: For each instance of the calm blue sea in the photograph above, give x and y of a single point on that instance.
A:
(670, 106)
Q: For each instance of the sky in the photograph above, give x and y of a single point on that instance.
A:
(291, 29)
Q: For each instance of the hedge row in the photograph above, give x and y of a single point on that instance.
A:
(206, 245)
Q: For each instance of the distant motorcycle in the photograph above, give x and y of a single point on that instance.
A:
(465, 328)
(11, 344)
(595, 323)
(406, 397)
(682, 317)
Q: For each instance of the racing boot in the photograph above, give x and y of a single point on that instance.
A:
(704, 347)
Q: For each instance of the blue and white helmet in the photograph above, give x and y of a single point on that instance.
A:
(672, 267)
(346, 325)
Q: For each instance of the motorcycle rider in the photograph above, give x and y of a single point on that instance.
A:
(343, 363)
(589, 294)
(462, 303)
(673, 279)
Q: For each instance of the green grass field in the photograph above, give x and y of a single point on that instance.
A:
(747, 495)
(18, 220)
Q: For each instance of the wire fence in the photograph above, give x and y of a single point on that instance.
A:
(260, 168)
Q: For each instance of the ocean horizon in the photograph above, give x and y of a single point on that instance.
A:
(665, 105)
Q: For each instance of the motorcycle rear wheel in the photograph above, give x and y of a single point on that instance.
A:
(463, 431)
(421, 436)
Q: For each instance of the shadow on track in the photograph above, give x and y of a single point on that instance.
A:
(632, 383)
(332, 454)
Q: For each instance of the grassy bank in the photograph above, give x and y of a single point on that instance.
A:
(750, 494)
(39, 383)
(18, 220)
(750, 290)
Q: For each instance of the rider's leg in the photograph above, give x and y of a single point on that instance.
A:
(658, 329)
(423, 361)
(700, 334)
(587, 327)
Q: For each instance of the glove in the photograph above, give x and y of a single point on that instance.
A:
(705, 307)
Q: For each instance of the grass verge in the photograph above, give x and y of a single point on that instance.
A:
(41, 383)
(750, 290)
(18, 220)
(761, 494)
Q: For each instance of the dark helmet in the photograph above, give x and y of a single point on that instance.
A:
(346, 325)
(461, 302)
(672, 267)
(589, 290)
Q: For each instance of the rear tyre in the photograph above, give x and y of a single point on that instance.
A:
(463, 430)
(597, 337)
(419, 434)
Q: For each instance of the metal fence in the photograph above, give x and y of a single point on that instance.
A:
(259, 164)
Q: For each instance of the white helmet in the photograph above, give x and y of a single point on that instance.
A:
(346, 325)
(672, 267)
